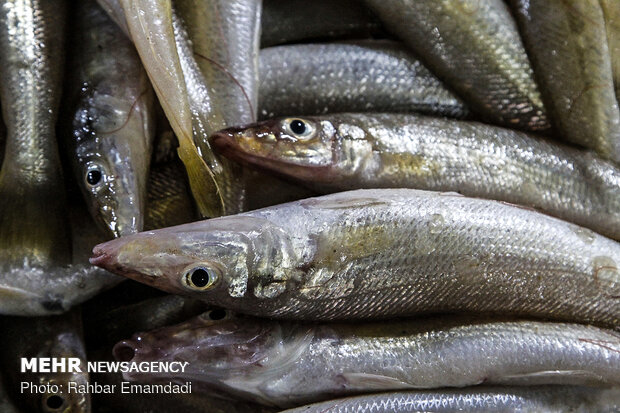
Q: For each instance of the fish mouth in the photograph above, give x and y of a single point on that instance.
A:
(101, 258)
(225, 143)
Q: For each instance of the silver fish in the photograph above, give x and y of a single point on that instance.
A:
(288, 21)
(113, 121)
(475, 47)
(337, 152)
(287, 364)
(367, 76)
(54, 337)
(381, 253)
(567, 43)
(539, 399)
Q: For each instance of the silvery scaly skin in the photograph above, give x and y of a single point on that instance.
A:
(568, 46)
(113, 121)
(34, 239)
(381, 253)
(337, 152)
(475, 47)
(539, 399)
(366, 76)
(55, 336)
(288, 364)
(290, 21)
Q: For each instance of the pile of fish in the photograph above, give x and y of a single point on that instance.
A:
(322, 206)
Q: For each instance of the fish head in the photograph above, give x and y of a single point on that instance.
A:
(300, 148)
(232, 262)
(111, 167)
(236, 355)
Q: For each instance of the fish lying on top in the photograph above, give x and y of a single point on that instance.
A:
(365, 76)
(112, 121)
(475, 47)
(287, 364)
(292, 21)
(337, 152)
(53, 337)
(547, 399)
(381, 253)
(568, 45)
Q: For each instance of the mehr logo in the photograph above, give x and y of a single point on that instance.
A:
(51, 365)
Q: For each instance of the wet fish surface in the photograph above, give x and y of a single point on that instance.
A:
(365, 76)
(287, 21)
(568, 46)
(381, 253)
(474, 46)
(484, 399)
(287, 364)
(611, 12)
(113, 121)
(53, 337)
(338, 152)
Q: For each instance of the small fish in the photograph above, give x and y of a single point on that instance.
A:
(378, 254)
(54, 337)
(289, 21)
(112, 121)
(567, 43)
(333, 153)
(288, 364)
(366, 76)
(474, 46)
(611, 12)
(547, 399)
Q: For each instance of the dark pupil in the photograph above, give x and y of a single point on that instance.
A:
(298, 127)
(93, 177)
(200, 277)
(54, 402)
(217, 314)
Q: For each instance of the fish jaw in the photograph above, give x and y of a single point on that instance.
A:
(269, 146)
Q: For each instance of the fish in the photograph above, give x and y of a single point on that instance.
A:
(169, 200)
(286, 364)
(365, 76)
(110, 137)
(291, 21)
(380, 253)
(107, 327)
(54, 337)
(115, 11)
(475, 48)
(567, 44)
(150, 26)
(483, 399)
(611, 14)
(338, 152)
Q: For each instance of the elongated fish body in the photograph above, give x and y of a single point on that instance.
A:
(169, 199)
(381, 253)
(313, 79)
(475, 47)
(545, 399)
(351, 151)
(41, 337)
(567, 43)
(611, 13)
(288, 21)
(113, 121)
(287, 364)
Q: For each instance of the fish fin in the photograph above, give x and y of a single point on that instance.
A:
(202, 183)
(573, 377)
(7, 292)
(373, 382)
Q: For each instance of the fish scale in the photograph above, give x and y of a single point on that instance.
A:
(296, 363)
(511, 260)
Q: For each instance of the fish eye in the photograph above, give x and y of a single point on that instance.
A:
(53, 402)
(200, 278)
(94, 175)
(299, 128)
(216, 314)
